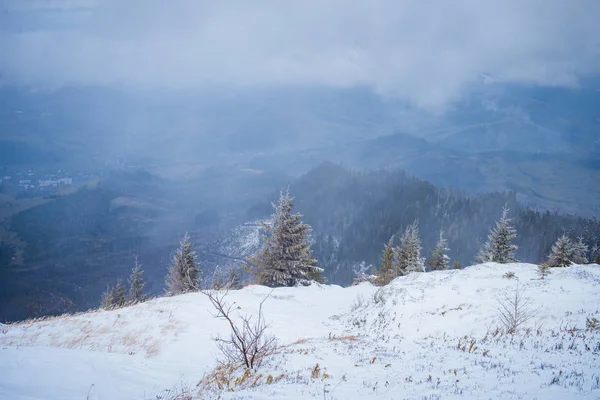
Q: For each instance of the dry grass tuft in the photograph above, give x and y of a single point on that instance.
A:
(509, 275)
(346, 338)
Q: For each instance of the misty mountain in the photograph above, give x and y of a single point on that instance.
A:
(493, 117)
(68, 249)
(531, 140)
(361, 210)
(541, 180)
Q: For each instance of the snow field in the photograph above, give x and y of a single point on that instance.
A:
(424, 336)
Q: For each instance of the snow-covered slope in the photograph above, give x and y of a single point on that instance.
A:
(424, 336)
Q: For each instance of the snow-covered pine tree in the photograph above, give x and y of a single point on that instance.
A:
(499, 247)
(561, 254)
(285, 258)
(184, 273)
(439, 260)
(543, 270)
(120, 297)
(580, 250)
(386, 272)
(108, 299)
(485, 253)
(136, 283)
(408, 254)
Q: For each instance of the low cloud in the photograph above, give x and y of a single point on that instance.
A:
(427, 52)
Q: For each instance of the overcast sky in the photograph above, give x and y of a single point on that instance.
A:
(427, 52)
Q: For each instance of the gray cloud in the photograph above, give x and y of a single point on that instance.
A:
(427, 52)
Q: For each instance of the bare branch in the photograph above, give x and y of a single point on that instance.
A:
(248, 342)
(514, 311)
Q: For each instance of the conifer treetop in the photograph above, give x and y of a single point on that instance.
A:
(285, 258)
(184, 273)
(386, 272)
(499, 247)
(439, 260)
(408, 254)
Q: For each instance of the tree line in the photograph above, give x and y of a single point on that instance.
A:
(354, 213)
(286, 257)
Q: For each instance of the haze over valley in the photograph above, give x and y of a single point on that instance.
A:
(410, 137)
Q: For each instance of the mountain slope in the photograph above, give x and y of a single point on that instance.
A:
(541, 180)
(428, 335)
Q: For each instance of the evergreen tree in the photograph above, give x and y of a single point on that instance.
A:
(439, 259)
(562, 252)
(386, 271)
(580, 250)
(499, 247)
(136, 283)
(184, 273)
(456, 265)
(597, 260)
(108, 299)
(408, 255)
(485, 253)
(120, 296)
(543, 270)
(286, 257)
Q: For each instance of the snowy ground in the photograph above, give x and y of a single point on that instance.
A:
(425, 336)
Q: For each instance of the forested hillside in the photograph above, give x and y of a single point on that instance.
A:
(72, 247)
(355, 213)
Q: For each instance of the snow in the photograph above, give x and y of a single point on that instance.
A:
(424, 336)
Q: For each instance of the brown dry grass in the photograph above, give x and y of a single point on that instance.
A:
(345, 338)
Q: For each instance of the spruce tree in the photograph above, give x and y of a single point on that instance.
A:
(136, 283)
(562, 252)
(108, 299)
(485, 254)
(597, 260)
(285, 258)
(184, 273)
(543, 270)
(580, 250)
(120, 294)
(456, 265)
(386, 271)
(408, 255)
(499, 247)
(439, 260)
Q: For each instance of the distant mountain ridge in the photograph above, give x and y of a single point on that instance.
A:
(543, 143)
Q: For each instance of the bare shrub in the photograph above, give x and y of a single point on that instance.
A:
(248, 342)
(226, 279)
(509, 275)
(543, 270)
(316, 372)
(379, 296)
(514, 311)
(592, 324)
(177, 392)
(357, 303)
